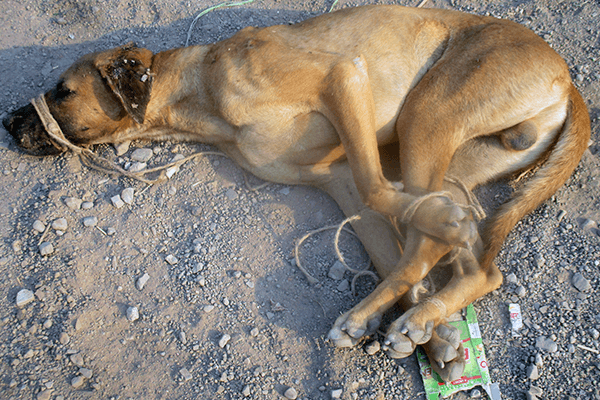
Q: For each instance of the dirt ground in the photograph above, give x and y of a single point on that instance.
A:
(225, 314)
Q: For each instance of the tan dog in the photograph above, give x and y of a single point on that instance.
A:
(322, 102)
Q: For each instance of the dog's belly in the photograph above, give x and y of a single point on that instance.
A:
(300, 151)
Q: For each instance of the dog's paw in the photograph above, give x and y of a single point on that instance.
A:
(348, 330)
(446, 353)
(442, 218)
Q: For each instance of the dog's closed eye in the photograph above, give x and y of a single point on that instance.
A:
(61, 91)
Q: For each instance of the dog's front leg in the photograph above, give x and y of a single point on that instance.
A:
(348, 103)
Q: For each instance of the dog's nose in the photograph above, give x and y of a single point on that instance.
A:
(10, 123)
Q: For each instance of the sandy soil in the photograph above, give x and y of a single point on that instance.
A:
(234, 273)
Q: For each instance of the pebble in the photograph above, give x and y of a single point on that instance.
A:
(373, 347)
(224, 340)
(73, 203)
(127, 195)
(142, 280)
(122, 148)
(64, 338)
(87, 205)
(171, 171)
(116, 201)
(182, 337)
(291, 394)
(39, 226)
(24, 297)
(47, 324)
(337, 271)
(254, 332)
(60, 224)
(90, 221)
(141, 155)
(580, 282)
(185, 374)
(76, 359)
(547, 344)
(77, 382)
(86, 372)
(171, 259)
(60, 21)
(208, 308)
(44, 395)
(520, 291)
(137, 167)
(132, 313)
(336, 394)
(246, 391)
(532, 372)
(343, 286)
(511, 278)
(231, 194)
(46, 248)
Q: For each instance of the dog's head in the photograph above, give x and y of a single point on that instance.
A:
(99, 96)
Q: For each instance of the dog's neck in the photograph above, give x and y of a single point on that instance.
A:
(168, 113)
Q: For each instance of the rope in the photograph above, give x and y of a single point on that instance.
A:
(96, 162)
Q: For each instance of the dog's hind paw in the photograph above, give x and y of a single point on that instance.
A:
(347, 331)
(442, 218)
(446, 353)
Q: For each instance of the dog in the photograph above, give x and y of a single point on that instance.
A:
(350, 102)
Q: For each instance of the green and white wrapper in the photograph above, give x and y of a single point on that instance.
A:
(476, 370)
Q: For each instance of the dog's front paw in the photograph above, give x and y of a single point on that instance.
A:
(348, 329)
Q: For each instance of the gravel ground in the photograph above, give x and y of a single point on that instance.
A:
(187, 289)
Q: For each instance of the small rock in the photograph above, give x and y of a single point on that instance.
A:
(520, 291)
(111, 231)
(132, 314)
(254, 332)
(122, 148)
(86, 372)
(532, 372)
(185, 374)
(90, 221)
(60, 21)
(511, 278)
(44, 395)
(246, 391)
(60, 224)
(137, 167)
(77, 359)
(231, 194)
(337, 271)
(547, 344)
(127, 195)
(46, 248)
(141, 155)
(539, 361)
(77, 382)
(142, 280)
(116, 201)
(224, 340)
(291, 394)
(87, 205)
(336, 394)
(47, 324)
(182, 337)
(39, 226)
(373, 347)
(475, 393)
(285, 191)
(64, 338)
(343, 286)
(24, 297)
(73, 203)
(580, 282)
(535, 391)
(208, 308)
(171, 259)
(171, 171)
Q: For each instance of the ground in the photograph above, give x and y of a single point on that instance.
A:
(231, 270)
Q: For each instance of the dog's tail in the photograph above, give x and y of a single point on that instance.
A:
(572, 141)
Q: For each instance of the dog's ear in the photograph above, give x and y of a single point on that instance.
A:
(126, 70)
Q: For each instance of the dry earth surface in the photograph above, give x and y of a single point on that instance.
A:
(225, 314)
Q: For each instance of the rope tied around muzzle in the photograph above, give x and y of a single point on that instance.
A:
(96, 162)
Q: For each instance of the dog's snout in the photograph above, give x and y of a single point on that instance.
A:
(29, 134)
